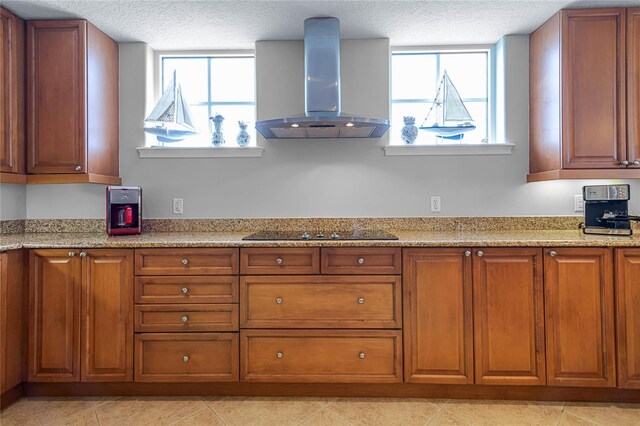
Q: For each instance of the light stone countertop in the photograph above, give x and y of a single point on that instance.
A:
(565, 238)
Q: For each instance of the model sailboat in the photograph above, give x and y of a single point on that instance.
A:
(449, 110)
(170, 120)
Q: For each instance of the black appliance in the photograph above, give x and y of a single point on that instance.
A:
(606, 210)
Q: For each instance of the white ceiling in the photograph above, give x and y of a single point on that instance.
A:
(237, 24)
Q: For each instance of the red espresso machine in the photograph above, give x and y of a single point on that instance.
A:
(124, 210)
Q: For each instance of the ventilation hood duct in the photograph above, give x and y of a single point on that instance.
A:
(322, 117)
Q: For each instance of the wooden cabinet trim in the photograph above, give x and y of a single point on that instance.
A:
(375, 260)
(633, 83)
(186, 261)
(199, 289)
(200, 318)
(280, 261)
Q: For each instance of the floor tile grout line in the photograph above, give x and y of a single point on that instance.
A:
(338, 414)
(95, 413)
(206, 407)
(316, 412)
(434, 416)
(585, 419)
(217, 416)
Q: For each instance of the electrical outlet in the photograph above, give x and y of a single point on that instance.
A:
(436, 205)
(578, 203)
(178, 206)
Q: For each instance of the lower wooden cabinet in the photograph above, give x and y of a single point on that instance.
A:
(579, 311)
(321, 356)
(80, 314)
(508, 307)
(186, 357)
(12, 316)
(628, 317)
(438, 330)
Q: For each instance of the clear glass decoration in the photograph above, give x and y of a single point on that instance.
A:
(409, 130)
(217, 139)
(243, 136)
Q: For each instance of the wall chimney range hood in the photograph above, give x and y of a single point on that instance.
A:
(323, 117)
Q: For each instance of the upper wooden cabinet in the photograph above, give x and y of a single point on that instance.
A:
(583, 94)
(72, 88)
(579, 310)
(12, 99)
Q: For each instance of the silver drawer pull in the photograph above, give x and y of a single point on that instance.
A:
(467, 253)
(552, 253)
(279, 261)
(185, 261)
(278, 300)
(78, 168)
(185, 290)
(360, 260)
(480, 253)
(185, 358)
(361, 300)
(362, 355)
(185, 318)
(279, 354)
(83, 254)
(72, 253)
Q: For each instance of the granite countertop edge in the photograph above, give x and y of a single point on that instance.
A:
(566, 238)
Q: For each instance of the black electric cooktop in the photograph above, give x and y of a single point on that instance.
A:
(320, 235)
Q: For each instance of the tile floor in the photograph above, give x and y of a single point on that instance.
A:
(236, 411)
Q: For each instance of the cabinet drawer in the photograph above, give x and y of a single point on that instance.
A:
(197, 261)
(222, 289)
(186, 357)
(321, 302)
(168, 318)
(361, 260)
(271, 261)
(315, 356)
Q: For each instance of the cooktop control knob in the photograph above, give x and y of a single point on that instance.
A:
(319, 234)
(305, 236)
(335, 236)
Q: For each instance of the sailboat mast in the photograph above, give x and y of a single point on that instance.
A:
(175, 98)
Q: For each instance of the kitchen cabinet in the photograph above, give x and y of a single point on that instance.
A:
(508, 311)
(628, 317)
(579, 317)
(72, 89)
(80, 313)
(583, 87)
(12, 315)
(438, 330)
(12, 99)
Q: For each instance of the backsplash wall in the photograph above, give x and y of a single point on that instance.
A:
(330, 178)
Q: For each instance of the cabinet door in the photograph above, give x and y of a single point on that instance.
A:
(633, 84)
(11, 93)
(579, 317)
(107, 316)
(438, 336)
(508, 307)
(593, 88)
(12, 315)
(54, 316)
(56, 60)
(628, 317)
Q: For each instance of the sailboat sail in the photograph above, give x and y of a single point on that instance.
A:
(171, 119)
(453, 110)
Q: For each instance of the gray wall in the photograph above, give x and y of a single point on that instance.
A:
(13, 202)
(328, 178)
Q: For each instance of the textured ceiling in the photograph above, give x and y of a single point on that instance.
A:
(237, 24)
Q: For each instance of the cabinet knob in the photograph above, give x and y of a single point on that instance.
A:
(185, 261)
(72, 253)
(279, 354)
(361, 300)
(624, 162)
(185, 290)
(480, 253)
(360, 260)
(83, 254)
(185, 318)
(362, 355)
(467, 253)
(279, 261)
(78, 168)
(552, 253)
(636, 163)
(185, 358)
(278, 300)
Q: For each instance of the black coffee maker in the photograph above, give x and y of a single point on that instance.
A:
(606, 210)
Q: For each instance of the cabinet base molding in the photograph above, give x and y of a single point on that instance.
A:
(11, 396)
(74, 178)
(621, 173)
(403, 390)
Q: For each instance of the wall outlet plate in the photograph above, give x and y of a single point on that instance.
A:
(178, 206)
(578, 203)
(436, 205)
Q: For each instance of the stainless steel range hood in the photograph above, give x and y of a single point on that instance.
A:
(322, 117)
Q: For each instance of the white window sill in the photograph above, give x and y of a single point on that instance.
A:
(199, 152)
(475, 149)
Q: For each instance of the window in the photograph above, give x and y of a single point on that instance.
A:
(415, 78)
(214, 85)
